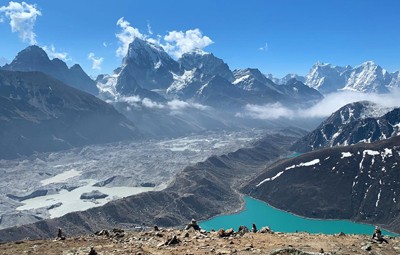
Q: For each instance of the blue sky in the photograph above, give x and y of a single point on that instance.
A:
(297, 33)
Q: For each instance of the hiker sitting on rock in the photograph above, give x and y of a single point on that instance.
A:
(93, 252)
(377, 235)
(254, 228)
(60, 236)
(193, 224)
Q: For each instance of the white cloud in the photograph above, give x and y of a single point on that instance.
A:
(53, 53)
(179, 105)
(324, 108)
(151, 104)
(175, 43)
(130, 99)
(267, 111)
(96, 62)
(179, 42)
(136, 101)
(105, 44)
(149, 28)
(22, 18)
(126, 36)
(264, 48)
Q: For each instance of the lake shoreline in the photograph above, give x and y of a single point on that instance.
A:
(243, 204)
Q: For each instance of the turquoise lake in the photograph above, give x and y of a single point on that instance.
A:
(264, 215)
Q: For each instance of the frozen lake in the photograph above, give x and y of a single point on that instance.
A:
(69, 201)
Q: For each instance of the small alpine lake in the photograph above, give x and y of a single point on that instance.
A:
(263, 214)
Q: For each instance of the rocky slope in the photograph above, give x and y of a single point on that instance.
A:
(196, 243)
(353, 123)
(34, 58)
(359, 182)
(39, 113)
(200, 191)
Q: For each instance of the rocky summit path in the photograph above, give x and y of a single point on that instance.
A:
(172, 241)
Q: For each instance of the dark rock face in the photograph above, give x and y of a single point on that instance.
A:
(34, 58)
(220, 93)
(150, 65)
(39, 114)
(37, 193)
(297, 91)
(200, 191)
(359, 182)
(95, 194)
(206, 63)
(252, 79)
(351, 124)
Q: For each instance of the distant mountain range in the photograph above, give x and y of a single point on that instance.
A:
(353, 123)
(34, 58)
(367, 77)
(39, 113)
(149, 72)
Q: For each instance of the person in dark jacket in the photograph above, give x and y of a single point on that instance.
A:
(377, 235)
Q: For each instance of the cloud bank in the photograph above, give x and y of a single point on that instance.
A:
(96, 62)
(22, 18)
(179, 42)
(324, 108)
(174, 42)
(264, 48)
(126, 36)
(174, 105)
(53, 53)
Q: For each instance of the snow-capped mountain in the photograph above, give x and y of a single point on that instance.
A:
(298, 91)
(353, 123)
(327, 78)
(146, 65)
(149, 72)
(186, 85)
(206, 63)
(286, 78)
(290, 76)
(395, 82)
(359, 182)
(273, 78)
(367, 77)
(251, 79)
(34, 58)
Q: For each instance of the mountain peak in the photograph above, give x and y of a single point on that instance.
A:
(77, 68)
(368, 63)
(198, 51)
(139, 49)
(207, 63)
(31, 55)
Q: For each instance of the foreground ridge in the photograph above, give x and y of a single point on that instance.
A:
(175, 241)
